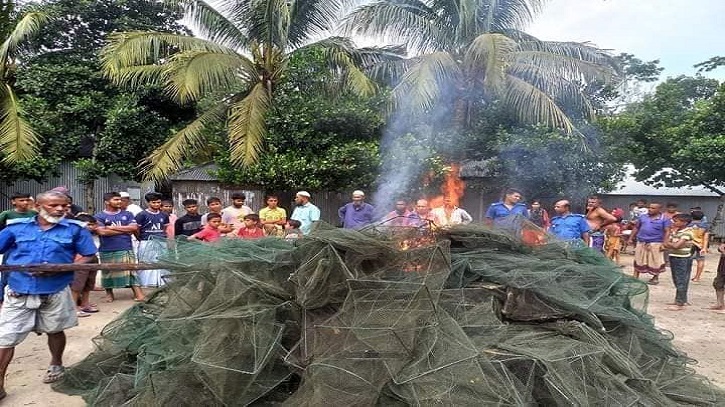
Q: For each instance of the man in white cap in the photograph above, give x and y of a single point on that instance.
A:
(305, 212)
(356, 214)
(127, 205)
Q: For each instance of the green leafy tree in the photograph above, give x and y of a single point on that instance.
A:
(237, 66)
(18, 140)
(78, 114)
(475, 51)
(314, 140)
(547, 163)
(674, 137)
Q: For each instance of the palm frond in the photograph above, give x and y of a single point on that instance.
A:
(247, 126)
(576, 51)
(346, 60)
(410, 22)
(170, 156)
(567, 67)
(533, 105)
(25, 28)
(139, 48)
(498, 15)
(211, 23)
(311, 18)
(265, 21)
(566, 92)
(18, 141)
(191, 74)
(487, 57)
(429, 78)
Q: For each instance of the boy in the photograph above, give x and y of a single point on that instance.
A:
(215, 206)
(211, 232)
(273, 218)
(292, 229)
(22, 204)
(700, 240)
(115, 228)
(250, 227)
(679, 245)
(152, 244)
(190, 223)
(167, 206)
(84, 281)
(719, 283)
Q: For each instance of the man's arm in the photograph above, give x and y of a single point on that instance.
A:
(466, 217)
(7, 239)
(607, 218)
(341, 213)
(315, 214)
(488, 218)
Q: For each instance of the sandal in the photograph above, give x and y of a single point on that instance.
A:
(89, 309)
(53, 374)
(82, 314)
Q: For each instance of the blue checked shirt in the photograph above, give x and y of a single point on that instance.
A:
(24, 242)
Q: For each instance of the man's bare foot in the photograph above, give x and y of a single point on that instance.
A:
(108, 298)
(675, 308)
(142, 299)
(695, 279)
(716, 307)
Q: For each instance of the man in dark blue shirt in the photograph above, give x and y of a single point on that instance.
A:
(499, 212)
(567, 226)
(36, 301)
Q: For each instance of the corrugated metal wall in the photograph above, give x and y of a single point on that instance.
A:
(69, 178)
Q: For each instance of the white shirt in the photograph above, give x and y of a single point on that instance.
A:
(458, 217)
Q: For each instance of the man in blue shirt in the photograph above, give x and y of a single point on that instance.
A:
(510, 205)
(36, 301)
(356, 214)
(305, 212)
(567, 226)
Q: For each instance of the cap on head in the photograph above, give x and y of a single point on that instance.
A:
(358, 193)
(305, 194)
(124, 194)
(63, 189)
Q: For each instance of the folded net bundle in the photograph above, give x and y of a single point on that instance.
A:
(390, 316)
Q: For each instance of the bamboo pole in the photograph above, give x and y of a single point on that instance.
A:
(66, 267)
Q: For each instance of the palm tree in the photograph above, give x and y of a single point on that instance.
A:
(235, 63)
(18, 141)
(475, 51)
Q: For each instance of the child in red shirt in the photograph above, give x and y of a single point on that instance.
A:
(211, 232)
(251, 229)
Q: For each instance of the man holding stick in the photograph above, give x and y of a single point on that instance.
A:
(41, 302)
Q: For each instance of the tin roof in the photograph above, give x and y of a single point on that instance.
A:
(630, 186)
(198, 173)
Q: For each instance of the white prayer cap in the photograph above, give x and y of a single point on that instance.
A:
(124, 194)
(304, 193)
(358, 193)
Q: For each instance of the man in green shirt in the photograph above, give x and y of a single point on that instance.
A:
(22, 204)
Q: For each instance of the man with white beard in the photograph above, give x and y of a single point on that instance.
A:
(37, 302)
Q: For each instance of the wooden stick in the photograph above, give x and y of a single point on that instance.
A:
(66, 267)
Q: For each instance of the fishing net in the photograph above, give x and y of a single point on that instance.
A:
(390, 316)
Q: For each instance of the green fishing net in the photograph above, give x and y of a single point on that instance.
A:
(389, 316)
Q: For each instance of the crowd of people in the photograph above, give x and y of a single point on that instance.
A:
(51, 229)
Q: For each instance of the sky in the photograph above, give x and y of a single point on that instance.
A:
(680, 33)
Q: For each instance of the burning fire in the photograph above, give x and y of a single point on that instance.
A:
(453, 188)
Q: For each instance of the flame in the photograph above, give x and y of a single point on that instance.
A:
(453, 187)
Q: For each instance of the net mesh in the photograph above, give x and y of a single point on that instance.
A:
(390, 316)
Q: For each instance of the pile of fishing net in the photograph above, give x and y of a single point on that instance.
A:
(389, 316)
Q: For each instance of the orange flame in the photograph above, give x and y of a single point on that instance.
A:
(453, 187)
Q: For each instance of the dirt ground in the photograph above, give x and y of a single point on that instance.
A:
(698, 332)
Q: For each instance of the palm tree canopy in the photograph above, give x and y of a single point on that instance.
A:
(241, 53)
(478, 47)
(18, 141)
